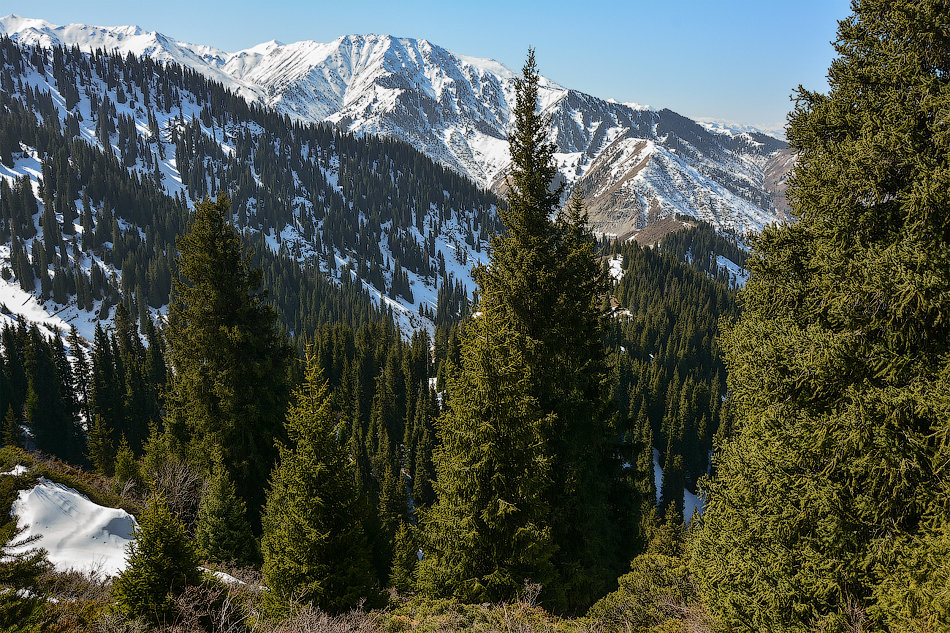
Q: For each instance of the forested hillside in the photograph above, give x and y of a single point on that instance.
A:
(287, 462)
(240, 281)
(123, 146)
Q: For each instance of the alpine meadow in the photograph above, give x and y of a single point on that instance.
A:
(370, 335)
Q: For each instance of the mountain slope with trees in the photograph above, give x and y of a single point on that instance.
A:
(110, 151)
(634, 164)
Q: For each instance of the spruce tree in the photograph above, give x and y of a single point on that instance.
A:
(12, 434)
(127, 469)
(100, 449)
(313, 542)
(229, 388)
(544, 287)
(223, 533)
(81, 372)
(489, 529)
(405, 558)
(829, 509)
(161, 563)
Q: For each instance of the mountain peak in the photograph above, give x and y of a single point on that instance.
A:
(457, 109)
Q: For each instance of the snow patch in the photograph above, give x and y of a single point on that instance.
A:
(737, 274)
(616, 267)
(76, 533)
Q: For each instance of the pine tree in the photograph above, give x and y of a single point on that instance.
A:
(545, 288)
(12, 433)
(829, 510)
(488, 530)
(46, 412)
(81, 372)
(223, 533)
(313, 544)
(105, 402)
(405, 558)
(229, 387)
(127, 468)
(100, 449)
(161, 563)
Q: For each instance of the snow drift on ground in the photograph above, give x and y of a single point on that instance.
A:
(76, 533)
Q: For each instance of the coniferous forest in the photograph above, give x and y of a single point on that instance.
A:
(322, 423)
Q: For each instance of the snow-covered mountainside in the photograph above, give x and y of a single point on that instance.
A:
(634, 164)
(101, 156)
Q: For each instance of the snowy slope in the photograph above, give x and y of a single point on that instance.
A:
(448, 230)
(76, 533)
(457, 109)
(124, 39)
(735, 128)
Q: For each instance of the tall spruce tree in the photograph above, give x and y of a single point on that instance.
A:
(229, 386)
(489, 529)
(543, 290)
(313, 542)
(12, 434)
(829, 510)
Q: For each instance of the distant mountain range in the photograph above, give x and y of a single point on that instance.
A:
(633, 164)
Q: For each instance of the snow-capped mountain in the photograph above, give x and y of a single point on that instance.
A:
(634, 164)
(125, 146)
(733, 128)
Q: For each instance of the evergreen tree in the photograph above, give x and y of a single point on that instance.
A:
(100, 449)
(544, 287)
(46, 412)
(105, 401)
(488, 530)
(81, 372)
(161, 563)
(229, 386)
(829, 509)
(313, 544)
(12, 433)
(405, 558)
(223, 533)
(126, 466)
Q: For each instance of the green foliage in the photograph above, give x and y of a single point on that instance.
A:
(488, 530)
(223, 533)
(829, 509)
(127, 469)
(229, 387)
(670, 376)
(22, 597)
(46, 408)
(12, 434)
(546, 359)
(653, 592)
(405, 558)
(100, 450)
(162, 562)
(313, 543)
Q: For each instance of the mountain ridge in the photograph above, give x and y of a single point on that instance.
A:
(456, 109)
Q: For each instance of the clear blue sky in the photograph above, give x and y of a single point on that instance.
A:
(732, 59)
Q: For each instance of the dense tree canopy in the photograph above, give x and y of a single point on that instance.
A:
(830, 508)
(314, 545)
(229, 386)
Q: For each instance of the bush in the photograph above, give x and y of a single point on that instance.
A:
(162, 563)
